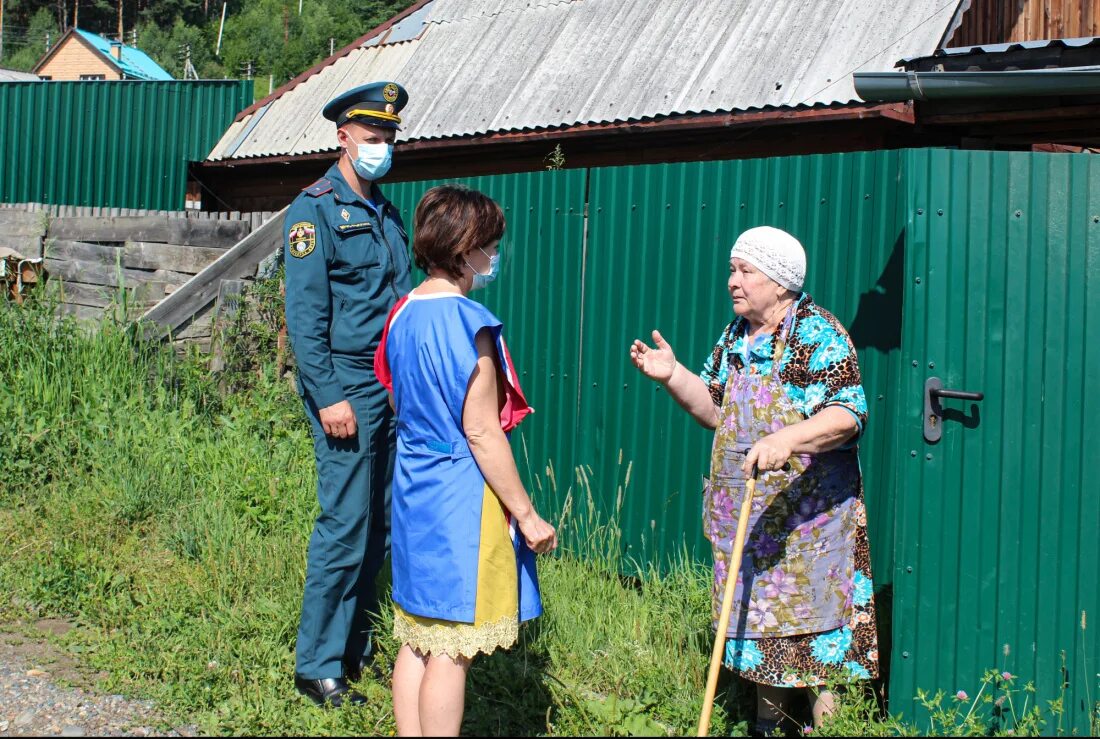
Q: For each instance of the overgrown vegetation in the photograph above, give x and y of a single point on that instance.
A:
(270, 41)
(169, 518)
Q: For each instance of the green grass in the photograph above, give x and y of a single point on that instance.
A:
(170, 522)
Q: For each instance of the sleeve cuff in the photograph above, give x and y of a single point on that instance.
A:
(326, 395)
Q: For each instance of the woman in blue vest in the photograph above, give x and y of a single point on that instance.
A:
(465, 532)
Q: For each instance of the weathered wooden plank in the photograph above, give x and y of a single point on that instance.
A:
(200, 291)
(122, 228)
(86, 313)
(200, 326)
(82, 252)
(138, 296)
(76, 293)
(30, 246)
(176, 257)
(194, 232)
(96, 273)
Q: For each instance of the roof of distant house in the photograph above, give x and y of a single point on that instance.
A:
(134, 63)
(489, 66)
(12, 75)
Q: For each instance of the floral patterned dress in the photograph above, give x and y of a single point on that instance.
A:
(804, 605)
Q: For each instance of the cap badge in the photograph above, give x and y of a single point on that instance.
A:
(389, 93)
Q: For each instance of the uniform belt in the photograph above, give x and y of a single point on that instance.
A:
(452, 449)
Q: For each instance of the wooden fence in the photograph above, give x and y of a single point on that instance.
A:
(99, 259)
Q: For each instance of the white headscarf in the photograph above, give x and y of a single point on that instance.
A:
(775, 253)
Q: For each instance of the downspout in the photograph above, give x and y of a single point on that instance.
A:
(902, 86)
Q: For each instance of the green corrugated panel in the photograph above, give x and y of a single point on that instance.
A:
(997, 523)
(112, 144)
(658, 250)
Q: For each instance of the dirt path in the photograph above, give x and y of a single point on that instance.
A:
(36, 698)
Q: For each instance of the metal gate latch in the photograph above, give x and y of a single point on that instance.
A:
(933, 412)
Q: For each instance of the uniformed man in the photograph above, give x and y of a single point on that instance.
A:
(347, 263)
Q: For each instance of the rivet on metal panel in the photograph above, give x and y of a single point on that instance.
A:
(1019, 213)
(566, 376)
(920, 211)
(557, 210)
(742, 205)
(939, 212)
(1096, 219)
(593, 384)
(531, 209)
(881, 396)
(624, 386)
(905, 655)
(703, 206)
(781, 204)
(551, 375)
(867, 196)
(914, 363)
(634, 207)
(913, 453)
(928, 457)
(931, 365)
(599, 210)
(917, 280)
(908, 569)
(823, 201)
(668, 205)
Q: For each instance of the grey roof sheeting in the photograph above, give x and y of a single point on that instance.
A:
(482, 66)
(1067, 43)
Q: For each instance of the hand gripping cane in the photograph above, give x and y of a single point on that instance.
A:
(727, 604)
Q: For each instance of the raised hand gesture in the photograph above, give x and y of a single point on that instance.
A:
(657, 362)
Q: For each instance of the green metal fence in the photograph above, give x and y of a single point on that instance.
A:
(982, 269)
(119, 144)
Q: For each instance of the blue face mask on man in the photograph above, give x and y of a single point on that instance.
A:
(483, 280)
(372, 161)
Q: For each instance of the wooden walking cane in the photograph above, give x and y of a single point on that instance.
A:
(727, 604)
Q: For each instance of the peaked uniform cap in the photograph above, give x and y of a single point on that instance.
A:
(375, 104)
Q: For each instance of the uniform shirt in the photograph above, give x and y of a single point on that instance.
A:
(818, 368)
(347, 264)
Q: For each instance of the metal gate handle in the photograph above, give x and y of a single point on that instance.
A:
(933, 412)
(957, 394)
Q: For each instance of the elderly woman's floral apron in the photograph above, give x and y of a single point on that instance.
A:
(803, 600)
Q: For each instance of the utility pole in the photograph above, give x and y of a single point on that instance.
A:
(76, 13)
(270, 83)
(331, 47)
(121, 31)
(218, 51)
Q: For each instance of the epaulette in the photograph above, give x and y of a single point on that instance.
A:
(318, 188)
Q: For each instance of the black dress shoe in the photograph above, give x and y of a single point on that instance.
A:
(327, 691)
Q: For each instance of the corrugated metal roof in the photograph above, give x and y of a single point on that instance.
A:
(515, 65)
(12, 75)
(1066, 43)
(134, 62)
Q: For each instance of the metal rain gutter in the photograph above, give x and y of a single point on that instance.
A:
(900, 86)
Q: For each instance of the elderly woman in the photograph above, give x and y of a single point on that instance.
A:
(464, 529)
(782, 391)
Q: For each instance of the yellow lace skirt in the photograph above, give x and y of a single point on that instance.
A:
(496, 612)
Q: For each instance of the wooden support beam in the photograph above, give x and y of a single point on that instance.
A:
(201, 290)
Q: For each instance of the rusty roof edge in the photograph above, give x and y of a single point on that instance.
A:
(329, 61)
(760, 117)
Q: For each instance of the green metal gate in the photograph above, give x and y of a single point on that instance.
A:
(997, 523)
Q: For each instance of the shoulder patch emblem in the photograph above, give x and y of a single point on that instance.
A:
(302, 239)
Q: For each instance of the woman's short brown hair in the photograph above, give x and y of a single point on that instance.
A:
(450, 221)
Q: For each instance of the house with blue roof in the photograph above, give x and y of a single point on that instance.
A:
(82, 55)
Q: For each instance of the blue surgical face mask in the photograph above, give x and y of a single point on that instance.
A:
(482, 280)
(372, 161)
